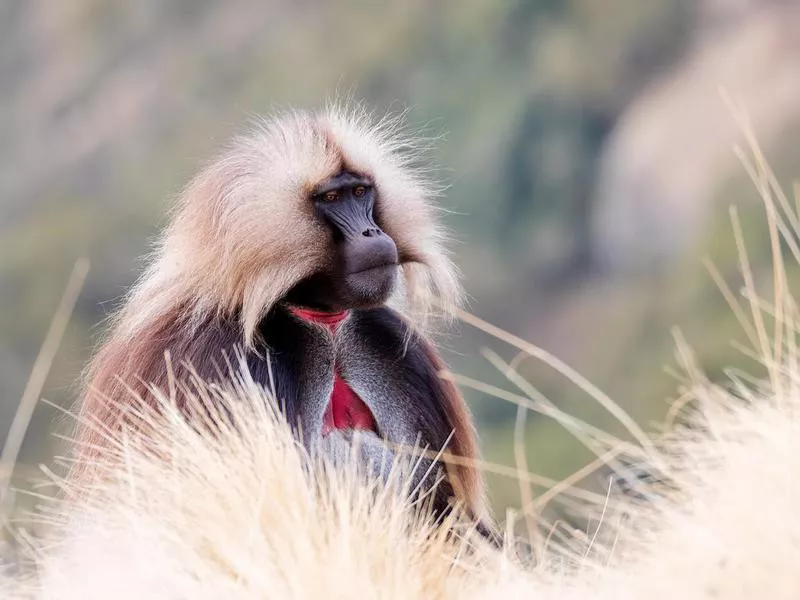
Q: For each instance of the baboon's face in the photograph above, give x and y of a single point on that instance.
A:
(364, 260)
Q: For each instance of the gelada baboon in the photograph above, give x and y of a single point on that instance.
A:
(289, 246)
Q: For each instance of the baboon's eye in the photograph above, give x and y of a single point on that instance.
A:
(331, 196)
(359, 191)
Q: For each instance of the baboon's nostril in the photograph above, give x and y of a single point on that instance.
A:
(371, 232)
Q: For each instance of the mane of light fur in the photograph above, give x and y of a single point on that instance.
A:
(243, 233)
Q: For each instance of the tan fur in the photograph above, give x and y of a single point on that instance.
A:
(243, 233)
(467, 479)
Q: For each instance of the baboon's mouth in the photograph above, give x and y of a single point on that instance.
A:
(376, 268)
(346, 410)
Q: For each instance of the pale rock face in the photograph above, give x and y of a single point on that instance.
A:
(674, 145)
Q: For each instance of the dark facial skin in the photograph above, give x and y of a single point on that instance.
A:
(365, 258)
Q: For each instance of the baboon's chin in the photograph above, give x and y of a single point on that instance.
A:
(369, 288)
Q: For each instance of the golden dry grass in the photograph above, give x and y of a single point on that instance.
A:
(248, 515)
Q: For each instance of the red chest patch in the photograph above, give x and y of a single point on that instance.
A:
(345, 409)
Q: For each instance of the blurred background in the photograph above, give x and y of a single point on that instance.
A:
(586, 145)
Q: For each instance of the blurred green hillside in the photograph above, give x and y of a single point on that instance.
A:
(587, 150)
